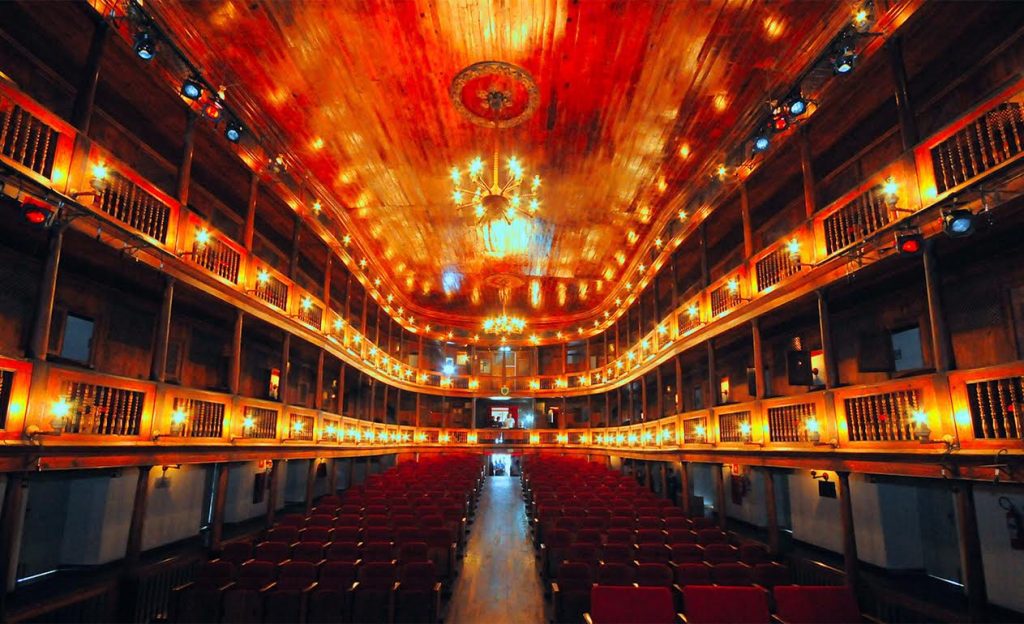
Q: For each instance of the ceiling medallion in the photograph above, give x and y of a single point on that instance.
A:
(495, 94)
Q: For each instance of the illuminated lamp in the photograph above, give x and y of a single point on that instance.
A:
(248, 424)
(233, 131)
(909, 243)
(779, 120)
(37, 213)
(796, 106)
(845, 59)
(761, 143)
(145, 46)
(921, 430)
(100, 177)
(958, 223)
(745, 431)
(178, 419)
(448, 369)
(813, 430)
(701, 432)
(60, 410)
(191, 88)
(330, 432)
(213, 110)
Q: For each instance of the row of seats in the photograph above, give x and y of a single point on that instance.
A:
(719, 605)
(342, 563)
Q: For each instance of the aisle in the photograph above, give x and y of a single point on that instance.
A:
(499, 581)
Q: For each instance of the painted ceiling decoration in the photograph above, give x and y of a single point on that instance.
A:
(624, 109)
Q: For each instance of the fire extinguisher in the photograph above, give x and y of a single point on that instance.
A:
(1013, 523)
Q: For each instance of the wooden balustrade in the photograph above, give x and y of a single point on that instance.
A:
(774, 266)
(32, 139)
(129, 203)
(98, 405)
(259, 422)
(855, 220)
(788, 423)
(992, 139)
(202, 418)
(882, 416)
(301, 426)
(734, 426)
(270, 288)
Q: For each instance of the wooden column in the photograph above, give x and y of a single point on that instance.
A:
(942, 348)
(684, 488)
(659, 388)
(158, 367)
(643, 397)
(47, 294)
(904, 108)
(10, 519)
(332, 476)
(235, 365)
(286, 347)
(249, 229)
(771, 511)
(850, 561)
(350, 481)
(138, 521)
(748, 233)
(970, 552)
(85, 95)
(275, 469)
(293, 260)
(328, 265)
(648, 476)
(341, 388)
(184, 180)
(416, 420)
(755, 331)
(705, 274)
(677, 360)
(663, 478)
(472, 424)
(713, 394)
(828, 353)
(807, 167)
(719, 494)
(319, 384)
(311, 484)
(372, 407)
(220, 497)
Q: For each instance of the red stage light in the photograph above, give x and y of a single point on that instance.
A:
(909, 244)
(37, 213)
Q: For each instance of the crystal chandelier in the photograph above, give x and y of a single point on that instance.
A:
(496, 198)
(504, 325)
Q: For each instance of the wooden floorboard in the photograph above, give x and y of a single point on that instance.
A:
(499, 580)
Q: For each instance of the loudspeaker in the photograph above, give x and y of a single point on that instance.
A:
(798, 367)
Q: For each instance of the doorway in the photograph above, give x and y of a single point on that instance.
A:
(500, 465)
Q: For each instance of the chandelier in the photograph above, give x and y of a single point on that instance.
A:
(504, 325)
(498, 198)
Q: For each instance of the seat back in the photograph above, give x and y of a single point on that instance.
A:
(693, 574)
(574, 576)
(721, 553)
(413, 552)
(236, 553)
(312, 552)
(687, 553)
(811, 604)
(711, 536)
(726, 605)
(274, 552)
(342, 551)
(731, 574)
(754, 554)
(653, 575)
(296, 575)
(320, 520)
(619, 574)
(288, 534)
(417, 576)
(338, 575)
(771, 574)
(315, 534)
(631, 605)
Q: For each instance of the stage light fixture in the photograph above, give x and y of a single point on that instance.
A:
(38, 213)
(845, 59)
(191, 89)
(779, 120)
(213, 110)
(233, 131)
(145, 46)
(958, 223)
(761, 143)
(909, 243)
(797, 106)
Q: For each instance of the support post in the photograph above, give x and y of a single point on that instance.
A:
(755, 331)
(275, 469)
(311, 483)
(10, 520)
(719, 495)
(249, 229)
(850, 561)
(286, 347)
(643, 398)
(679, 383)
(713, 394)
(85, 96)
(648, 476)
(942, 351)
(138, 521)
(748, 234)
(319, 384)
(970, 552)
(332, 476)
(235, 365)
(341, 388)
(807, 168)
(828, 353)
(47, 294)
(771, 511)
(904, 109)
(663, 478)
(220, 497)
(684, 488)
(350, 481)
(184, 180)
(158, 368)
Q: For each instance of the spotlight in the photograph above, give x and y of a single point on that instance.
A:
(779, 120)
(145, 46)
(958, 223)
(233, 131)
(213, 110)
(845, 59)
(761, 143)
(797, 106)
(191, 89)
(909, 243)
(37, 213)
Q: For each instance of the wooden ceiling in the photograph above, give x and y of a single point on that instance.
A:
(359, 93)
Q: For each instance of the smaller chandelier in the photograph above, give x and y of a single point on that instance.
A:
(504, 325)
(496, 198)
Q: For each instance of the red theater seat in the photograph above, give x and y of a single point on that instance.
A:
(726, 605)
(274, 552)
(570, 593)
(418, 595)
(735, 574)
(288, 600)
(814, 604)
(199, 601)
(373, 594)
(236, 553)
(620, 574)
(630, 605)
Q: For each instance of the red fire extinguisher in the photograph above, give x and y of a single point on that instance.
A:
(1013, 523)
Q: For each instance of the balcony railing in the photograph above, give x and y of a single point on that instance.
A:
(882, 416)
(203, 419)
(132, 205)
(982, 144)
(853, 222)
(97, 409)
(788, 423)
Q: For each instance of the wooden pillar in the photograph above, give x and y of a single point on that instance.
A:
(350, 481)
(904, 108)
(828, 353)
(85, 96)
(10, 520)
(748, 233)
(286, 347)
(942, 349)
(138, 521)
(679, 383)
(184, 180)
(659, 388)
(47, 294)
(249, 229)
(319, 384)
(663, 478)
(719, 495)
(328, 265)
(713, 394)
(648, 476)
(235, 365)
(970, 552)
(311, 484)
(684, 488)
(705, 275)
(341, 388)
(618, 395)
(643, 397)
(384, 401)
(807, 168)
(472, 423)
(372, 411)
(850, 562)
(220, 497)
(755, 331)
(158, 368)
(275, 470)
(293, 260)
(771, 511)
(332, 476)
(416, 420)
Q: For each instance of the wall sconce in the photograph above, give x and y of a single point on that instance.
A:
(534, 438)
(793, 250)
(583, 439)
(733, 286)
(178, 419)
(534, 384)
(471, 437)
(298, 427)
(305, 305)
(561, 383)
(443, 438)
(921, 430)
(421, 437)
(330, 433)
(562, 438)
(339, 326)
(99, 181)
(199, 244)
(619, 439)
(702, 434)
(262, 279)
(248, 424)
(632, 439)
(474, 384)
(647, 437)
(823, 476)
(59, 410)
(353, 435)
(693, 312)
(890, 193)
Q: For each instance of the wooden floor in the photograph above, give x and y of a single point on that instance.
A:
(499, 581)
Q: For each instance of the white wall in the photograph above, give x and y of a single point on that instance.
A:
(174, 512)
(702, 485)
(100, 512)
(1004, 566)
(238, 505)
(751, 509)
(295, 480)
